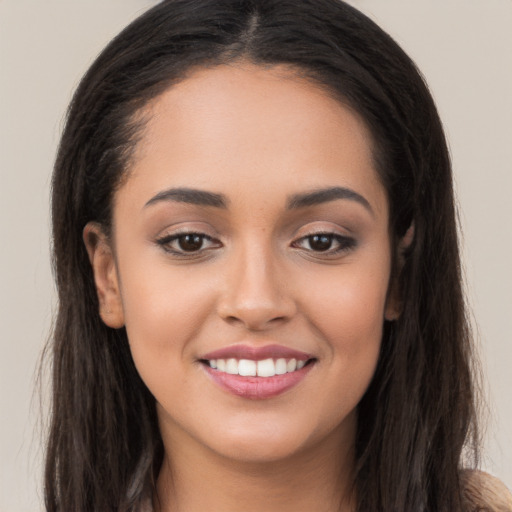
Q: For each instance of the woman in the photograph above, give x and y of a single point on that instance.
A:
(256, 198)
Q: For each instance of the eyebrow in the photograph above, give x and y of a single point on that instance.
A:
(325, 195)
(190, 196)
(296, 201)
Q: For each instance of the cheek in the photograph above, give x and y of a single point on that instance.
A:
(163, 311)
(348, 306)
(346, 310)
(350, 320)
(163, 308)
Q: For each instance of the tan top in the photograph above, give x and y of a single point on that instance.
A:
(485, 492)
(482, 493)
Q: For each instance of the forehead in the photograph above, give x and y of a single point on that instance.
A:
(265, 129)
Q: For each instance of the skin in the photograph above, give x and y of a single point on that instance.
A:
(257, 136)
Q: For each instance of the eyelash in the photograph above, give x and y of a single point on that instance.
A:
(166, 241)
(345, 243)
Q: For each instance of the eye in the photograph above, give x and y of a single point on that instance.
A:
(328, 243)
(183, 244)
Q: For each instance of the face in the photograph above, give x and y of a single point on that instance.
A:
(250, 263)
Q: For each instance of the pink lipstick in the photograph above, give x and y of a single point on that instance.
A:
(257, 372)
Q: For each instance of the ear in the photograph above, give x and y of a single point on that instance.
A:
(106, 279)
(394, 304)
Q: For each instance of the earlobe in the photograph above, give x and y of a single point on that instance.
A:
(394, 302)
(106, 279)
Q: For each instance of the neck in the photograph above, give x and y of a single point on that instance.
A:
(319, 479)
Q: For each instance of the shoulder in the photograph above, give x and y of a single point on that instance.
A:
(484, 492)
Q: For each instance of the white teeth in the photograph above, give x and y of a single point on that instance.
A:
(266, 368)
(249, 368)
(232, 366)
(281, 366)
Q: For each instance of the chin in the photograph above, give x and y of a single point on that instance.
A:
(259, 449)
(259, 441)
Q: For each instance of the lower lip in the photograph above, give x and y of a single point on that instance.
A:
(258, 388)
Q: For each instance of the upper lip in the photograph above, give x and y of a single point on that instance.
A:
(242, 351)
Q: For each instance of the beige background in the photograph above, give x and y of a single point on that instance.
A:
(462, 46)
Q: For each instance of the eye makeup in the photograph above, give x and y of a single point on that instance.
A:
(191, 244)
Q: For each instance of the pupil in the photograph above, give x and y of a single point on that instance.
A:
(190, 242)
(320, 242)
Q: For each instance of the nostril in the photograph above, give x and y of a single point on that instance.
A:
(255, 316)
(254, 322)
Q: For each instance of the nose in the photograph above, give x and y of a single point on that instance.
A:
(256, 294)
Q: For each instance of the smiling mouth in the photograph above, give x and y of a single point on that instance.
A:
(257, 379)
(264, 368)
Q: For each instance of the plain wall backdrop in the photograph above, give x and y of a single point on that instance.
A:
(463, 48)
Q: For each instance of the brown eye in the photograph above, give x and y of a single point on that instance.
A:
(329, 243)
(190, 242)
(320, 242)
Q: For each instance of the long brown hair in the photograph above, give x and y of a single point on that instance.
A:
(104, 446)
